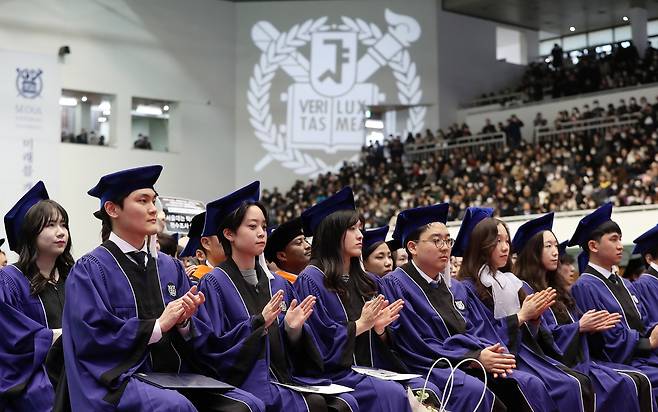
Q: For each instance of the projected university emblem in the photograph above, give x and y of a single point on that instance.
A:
(330, 87)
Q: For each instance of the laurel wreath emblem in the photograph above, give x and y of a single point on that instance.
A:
(282, 47)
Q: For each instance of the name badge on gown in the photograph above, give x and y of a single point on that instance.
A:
(460, 305)
(171, 289)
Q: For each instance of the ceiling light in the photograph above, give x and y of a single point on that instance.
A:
(149, 110)
(374, 124)
(572, 28)
(83, 99)
(68, 101)
(165, 107)
(625, 18)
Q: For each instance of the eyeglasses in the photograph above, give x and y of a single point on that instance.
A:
(439, 243)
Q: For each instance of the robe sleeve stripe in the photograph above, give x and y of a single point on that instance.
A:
(114, 396)
(251, 348)
(144, 331)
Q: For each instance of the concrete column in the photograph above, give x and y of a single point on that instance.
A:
(529, 46)
(638, 16)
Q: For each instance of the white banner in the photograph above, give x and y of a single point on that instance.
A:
(30, 124)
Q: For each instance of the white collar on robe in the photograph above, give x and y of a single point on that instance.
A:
(446, 278)
(263, 264)
(654, 266)
(604, 272)
(505, 290)
(149, 247)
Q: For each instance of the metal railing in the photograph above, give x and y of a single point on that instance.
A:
(417, 150)
(502, 99)
(544, 133)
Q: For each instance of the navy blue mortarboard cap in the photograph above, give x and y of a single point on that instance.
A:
(394, 244)
(113, 186)
(371, 237)
(526, 231)
(14, 218)
(279, 237)
(472, 217)
(590, 223)
(311, 217)
(583, 260)
(562, 248)
(217, 210)
(194, 235)
(646, 241)
(411, 219)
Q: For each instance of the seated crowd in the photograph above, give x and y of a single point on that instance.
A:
(573, 171)
(559, 76)
(350, 322)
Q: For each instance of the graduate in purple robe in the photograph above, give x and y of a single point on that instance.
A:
(647, 284)
(431, 325)
(496, 300)
(350, 317)
(617, 386)
(31, 304)
(130, 310)
(634, 340)
(376, 255)
(259, 334)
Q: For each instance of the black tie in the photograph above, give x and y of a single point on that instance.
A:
(139, 257)
(434, 284)
(614, 278)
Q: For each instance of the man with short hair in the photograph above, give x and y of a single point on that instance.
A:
(634, 341)
(288, 249)
(130, 311)
(430, 326)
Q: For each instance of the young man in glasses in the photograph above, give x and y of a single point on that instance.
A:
(430, 326)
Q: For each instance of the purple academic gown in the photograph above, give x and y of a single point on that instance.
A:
(336, 336)
(106, 342)
(614, 387)
(647, 288)
(25, 340)
(564, 390)
(628, 342)
(239, 351)
(422, 335)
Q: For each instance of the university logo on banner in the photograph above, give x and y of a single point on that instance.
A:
(29, 83)
(330, 87)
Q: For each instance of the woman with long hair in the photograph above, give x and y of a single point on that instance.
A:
(500, 309)
(263, 341)
(31, 303)
(351, 316)
(537, 265)
(376, 254)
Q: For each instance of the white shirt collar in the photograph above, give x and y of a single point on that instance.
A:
(605, 272)
(446, 279)
(149, 245)
(654, 266)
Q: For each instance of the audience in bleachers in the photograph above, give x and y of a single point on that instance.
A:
(576, 170)
(558, 76)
